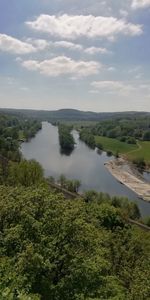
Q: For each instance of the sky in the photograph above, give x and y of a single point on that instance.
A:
(92, 55)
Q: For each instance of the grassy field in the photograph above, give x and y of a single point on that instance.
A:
(114, 145)
(142, 152)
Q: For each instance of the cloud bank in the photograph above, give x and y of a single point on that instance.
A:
(113, 86)
(140, 4)
(63, 65)
(15, 46)
(76, 26)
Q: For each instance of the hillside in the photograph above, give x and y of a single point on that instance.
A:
(72, 114)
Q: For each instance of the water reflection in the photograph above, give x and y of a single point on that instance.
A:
(66, 152)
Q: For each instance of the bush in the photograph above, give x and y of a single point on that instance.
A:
(139, 162)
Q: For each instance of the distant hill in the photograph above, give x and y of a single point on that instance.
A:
(71, 114)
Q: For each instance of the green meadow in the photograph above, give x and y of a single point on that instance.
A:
(114, 145)
(142, 152)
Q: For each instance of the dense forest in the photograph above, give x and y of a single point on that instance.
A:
(124, 129)
(66, 139)
(87, 136)
(13, 130)
(53, 248)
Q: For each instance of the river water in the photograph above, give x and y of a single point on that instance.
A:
(83, 163)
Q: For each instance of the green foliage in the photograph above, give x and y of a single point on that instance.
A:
(147, 221)
(62, 180)
(70, 185)
(109, 217)
(142, 152)
(127, 208)
(54, 251)
(12, 129)
(125, 129)
(52, 248)
(130, 260)
(26, 173)
(57, 249)
(66, 139)
(51, 179)
(114, 145)
(87, 137)
(146, 135)
(90, 196)
(139, 162)
(131, 140)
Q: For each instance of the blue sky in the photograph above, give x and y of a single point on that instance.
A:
(89, 55)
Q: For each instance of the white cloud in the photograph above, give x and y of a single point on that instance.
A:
(122, 88)
(75, 26)
(78, 47)
(95, 50)
(111, 69)
(39, 44)
(68, 45)
(15, 46)
(140, 4)
(63, 65)
(113, 86)
(123, 13)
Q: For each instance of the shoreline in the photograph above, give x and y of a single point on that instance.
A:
(124, 173)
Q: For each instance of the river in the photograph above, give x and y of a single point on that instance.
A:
(83, 163)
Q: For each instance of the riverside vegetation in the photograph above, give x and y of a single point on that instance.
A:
(66, 139)
(12, 130)
(127, 136)
(55, 248)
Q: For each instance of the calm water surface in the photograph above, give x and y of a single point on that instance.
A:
(83, 164)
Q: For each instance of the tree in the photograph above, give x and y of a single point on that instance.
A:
(87, 137)
(51, 179)
(26, 173)
(146, 136)
(62, 180)
(51, 250)
(76, 184)
(66, 139)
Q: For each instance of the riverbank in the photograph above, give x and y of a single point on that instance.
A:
(124, 173)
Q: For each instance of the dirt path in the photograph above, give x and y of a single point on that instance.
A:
(120, 169)
(135, 150)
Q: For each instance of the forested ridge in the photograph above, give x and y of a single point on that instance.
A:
(73, 115)
(53, 248)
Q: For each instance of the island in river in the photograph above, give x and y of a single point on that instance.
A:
(83, 163)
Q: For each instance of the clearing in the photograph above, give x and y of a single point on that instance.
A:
(115, 145)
